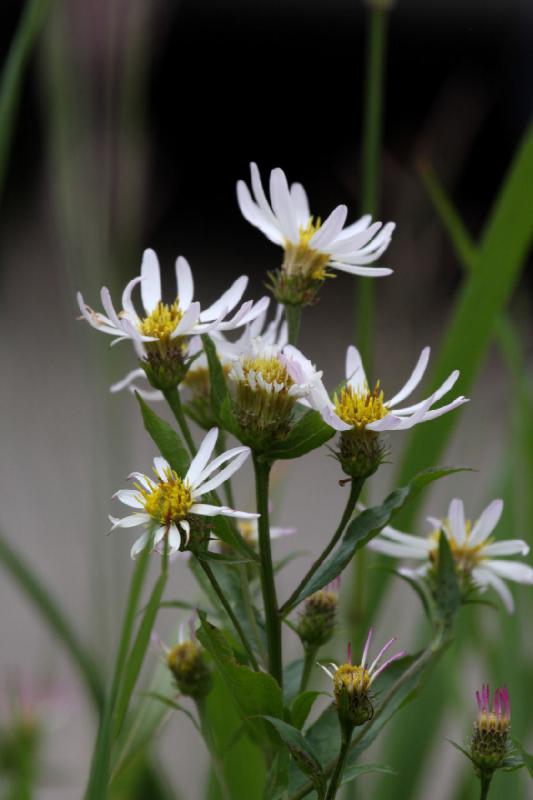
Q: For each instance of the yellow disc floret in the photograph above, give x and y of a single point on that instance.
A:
(301, 259)
(162, 322)
(465, 555)
(270, 369)
(352, 679)
(168, 501)
(360, 408)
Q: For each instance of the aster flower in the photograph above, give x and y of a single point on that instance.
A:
(187, 663)
(170, 503)
(311, 246)
(358, 407)
(489, 746)
(352, 682)
(477, 556)
(164, 327)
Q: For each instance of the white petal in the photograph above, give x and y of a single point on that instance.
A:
(162, 467)
(224, 474)
(227, 301)
(486, 578)
(217, 462)
(364, 272)
(139, 545)
(300, 204)
(456, 519)
(424, 545)
(414, 379)
(202, 457)
(127, 305)
(130, 377)
(208, 510)
(487, 521)
(129, 497)
(255, 215)
(186, 528)
(329, 230)
(389, 548)
(260, 196)
(282, 205)
(188, 322)
(511, 570)
(184, 283)
(349, 246)
(511, 547)
(355, 372)
(151, 281)
(129, 522)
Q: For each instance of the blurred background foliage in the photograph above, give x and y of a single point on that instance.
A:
(125, 124)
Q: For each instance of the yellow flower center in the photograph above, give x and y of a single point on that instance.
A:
(168, 501)
(162, 322)
(248, 530)
(303, 260)
(183, 658)
(271, 370)
(489, 722)
(360, 409)
(352, 679)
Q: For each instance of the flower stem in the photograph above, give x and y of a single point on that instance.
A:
(485, 780)
(339, 766)
(378, 11)
(172, 396)
(293, 315)
(268, 585)
(229, 611)
(249, 610)
(355, 491)
(309, 660)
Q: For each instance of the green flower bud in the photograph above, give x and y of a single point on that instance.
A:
(317, 620)
(187, 664)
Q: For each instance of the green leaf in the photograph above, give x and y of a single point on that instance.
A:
(355, 770)
(220, 398)
(255, 694)
(52, 614)
(301, 707)
(420, 590)
(134, 662)
(292, 676)
(302, 752)
(448, 593)
(309, 432)
(526, 757)
(223, 558)
(461, 749)
(484, 295)
(168, 441)
(365, 527)
(173, 704)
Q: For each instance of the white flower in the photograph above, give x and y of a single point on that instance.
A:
(162, 323)
(356, 406)
(249, 531)
(360, 677)
(474, 552)
(309, 245)
(170, 500)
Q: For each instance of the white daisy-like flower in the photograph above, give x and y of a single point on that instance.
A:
(311, 246)
(358, 678)
(163, 325)
(171, 503)
(475, 552)
(358, 407)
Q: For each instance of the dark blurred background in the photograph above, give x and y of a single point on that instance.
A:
(136, 119)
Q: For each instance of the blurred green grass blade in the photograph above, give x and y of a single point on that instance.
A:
(464, 246)
(30, 24)
(483, 297)
(45, 605)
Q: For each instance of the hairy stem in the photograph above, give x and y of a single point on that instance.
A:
(229, 611)
(172, 396)
(355, 491)
(268, 585)
(309, 660)
(485, 780)
(339, 766)
(293, 314)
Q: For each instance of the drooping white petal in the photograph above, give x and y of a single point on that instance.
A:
(226, 301)
(139, 545)
(208, 510)
(356, 227)
(224, 474)
(186, 528)
(456, 519)
(379, 545)
(349, 246)
(414, 379)
(330, 418)
(485, 577)
(184, 283)
(364, 272)
(202, 457)
(151, 281)
(127, 305)
(438, 412)
(486, 523)
(187, 323)
(125, 382)
(130, 521)
(423, 544)
(109, 308)
(217, 462)
(256, 216)
(328, 231)
(144, 480)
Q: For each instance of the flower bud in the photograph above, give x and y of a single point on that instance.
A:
(489, 744)
(166, 367)
(317, 620)
(187, 664)
(360, 452)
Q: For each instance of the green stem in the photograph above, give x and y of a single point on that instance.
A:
(309, 661)
(172, 396)
(46, 605)
(229, 611)
(371, 151)
(293, 315)
(268, 585)
(339, 766)
(216, 761)
(355, 491)
(485, 780)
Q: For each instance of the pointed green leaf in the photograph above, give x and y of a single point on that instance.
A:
(448, 594)
(309, 432)
(301, 707)
(168, 441)
(355, 770)
(302, 752)
(527, 759)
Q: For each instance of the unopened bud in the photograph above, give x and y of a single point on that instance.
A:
(360, 452)
(317, 620)
(187, 663)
